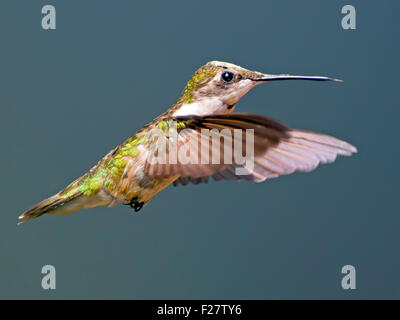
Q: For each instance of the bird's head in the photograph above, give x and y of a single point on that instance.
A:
(217, 86)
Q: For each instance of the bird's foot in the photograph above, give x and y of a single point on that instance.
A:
(135, 204)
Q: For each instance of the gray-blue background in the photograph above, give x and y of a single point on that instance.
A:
(69, 96)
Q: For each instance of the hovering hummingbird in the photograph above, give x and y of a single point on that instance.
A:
(207, 102)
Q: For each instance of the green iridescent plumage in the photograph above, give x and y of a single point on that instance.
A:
(200, 77)
(108, 171)
(116, 164)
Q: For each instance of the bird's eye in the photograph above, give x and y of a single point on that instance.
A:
(227, 76)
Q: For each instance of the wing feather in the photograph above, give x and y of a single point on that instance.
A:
(278, 150)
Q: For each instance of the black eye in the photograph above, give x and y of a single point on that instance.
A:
(227, 76)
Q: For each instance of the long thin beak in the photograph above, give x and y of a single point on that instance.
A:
(273, 77)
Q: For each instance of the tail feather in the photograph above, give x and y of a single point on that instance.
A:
(49, 205)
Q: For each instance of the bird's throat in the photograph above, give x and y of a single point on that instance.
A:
(204, 106)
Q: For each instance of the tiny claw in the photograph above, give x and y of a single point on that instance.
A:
(135, 204)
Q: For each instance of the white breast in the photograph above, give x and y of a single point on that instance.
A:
(204, 106)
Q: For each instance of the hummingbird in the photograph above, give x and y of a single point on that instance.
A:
(207, 102)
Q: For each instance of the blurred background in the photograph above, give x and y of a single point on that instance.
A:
(68, 96)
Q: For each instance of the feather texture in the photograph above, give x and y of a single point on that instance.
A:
(279, 150)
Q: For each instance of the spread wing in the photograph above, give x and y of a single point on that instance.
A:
(277, 148)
